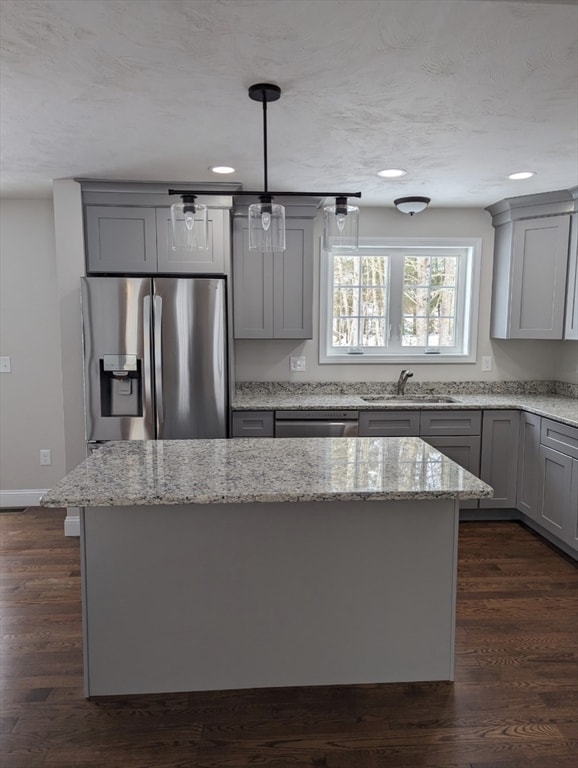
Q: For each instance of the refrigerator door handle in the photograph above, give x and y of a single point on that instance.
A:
(147, 372)
(158, 341)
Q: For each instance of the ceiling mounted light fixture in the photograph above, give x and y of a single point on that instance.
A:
(266, 218)
(412, 205)
(392, 173)
(222, 169)
(521, 175)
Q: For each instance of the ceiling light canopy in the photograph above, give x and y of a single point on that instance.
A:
(266, 218)
(391, 173)
(412, 205)
(519, 175)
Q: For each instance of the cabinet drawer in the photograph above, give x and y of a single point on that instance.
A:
(389, 424)
(560, 437)
(450, 423)
(252, 424)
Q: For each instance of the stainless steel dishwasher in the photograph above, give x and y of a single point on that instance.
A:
(315, 423)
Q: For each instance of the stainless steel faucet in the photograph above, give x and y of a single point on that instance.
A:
(402, 381)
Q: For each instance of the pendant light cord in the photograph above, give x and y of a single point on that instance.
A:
(266, 188)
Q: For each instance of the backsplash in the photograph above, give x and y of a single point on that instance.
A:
(421, 388)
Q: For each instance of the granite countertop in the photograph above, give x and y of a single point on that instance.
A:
(563, 409)
(246, 470)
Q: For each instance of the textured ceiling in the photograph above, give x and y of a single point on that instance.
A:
(458, 92)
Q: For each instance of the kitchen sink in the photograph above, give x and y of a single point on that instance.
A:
(408, 399)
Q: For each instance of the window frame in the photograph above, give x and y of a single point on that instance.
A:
(470, 271)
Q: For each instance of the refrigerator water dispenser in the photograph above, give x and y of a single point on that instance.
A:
(120, 385)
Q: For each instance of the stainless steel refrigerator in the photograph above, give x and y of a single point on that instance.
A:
(155, 357)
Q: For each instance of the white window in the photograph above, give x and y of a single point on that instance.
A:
(400, 301)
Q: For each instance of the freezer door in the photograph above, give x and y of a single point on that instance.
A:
(116, 330)
(190, 357)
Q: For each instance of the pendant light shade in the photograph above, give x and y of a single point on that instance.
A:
(341, 225)
(189, 225)
(266, 226)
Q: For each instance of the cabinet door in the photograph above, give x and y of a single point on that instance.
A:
(273, 293)
(120, 239)
(538, 277)
(212, 261)
(555, 492)
(293, 283)
(571, 325)
(465, 451)
(529, 465)
(252, 287)
(572, 525)
(388, 423)
(500, 457)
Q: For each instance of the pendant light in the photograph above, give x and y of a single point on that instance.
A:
(189, 225)
(266, 218)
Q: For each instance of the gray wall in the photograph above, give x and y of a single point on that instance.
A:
(31, 407)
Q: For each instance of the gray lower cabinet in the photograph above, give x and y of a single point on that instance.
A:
(253, 424)
(499, 461)
(556, 514)
(528, 475)
(135, 239)
(273, 293)
(465, 451)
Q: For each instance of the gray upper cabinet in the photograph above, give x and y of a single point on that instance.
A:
(529, 287)
(136, 239)
(531, 291)
(571, 324)
(197, 262)
(120, 239)
(500, 457)
(273, 293)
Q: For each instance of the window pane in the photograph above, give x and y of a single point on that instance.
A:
(416, 301)
(444, 270)
(345, 301)
(346, 270)
(442, 302)
(373, 301)
(345, 332)
(372, 332)
(414, 332)
(416, 270)
(441, 332)
(374, 270)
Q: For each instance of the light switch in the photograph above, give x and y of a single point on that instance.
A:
(487, 363)
(5, 365)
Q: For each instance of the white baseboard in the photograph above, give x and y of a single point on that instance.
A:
(21, 499)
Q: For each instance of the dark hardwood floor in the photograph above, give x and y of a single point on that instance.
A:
(514, 703)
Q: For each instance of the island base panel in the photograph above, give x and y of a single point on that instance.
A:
(226, 596)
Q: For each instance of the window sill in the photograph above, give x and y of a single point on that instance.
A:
(385, 359)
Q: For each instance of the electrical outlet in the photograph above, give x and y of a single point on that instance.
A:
(45, 457)
(297, 363)
(5, 365)
(487, 363)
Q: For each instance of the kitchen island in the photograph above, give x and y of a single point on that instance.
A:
(220, 564)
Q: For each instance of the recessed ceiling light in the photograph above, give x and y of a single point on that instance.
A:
(222, 169)
(522, 175)
(391, 173)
